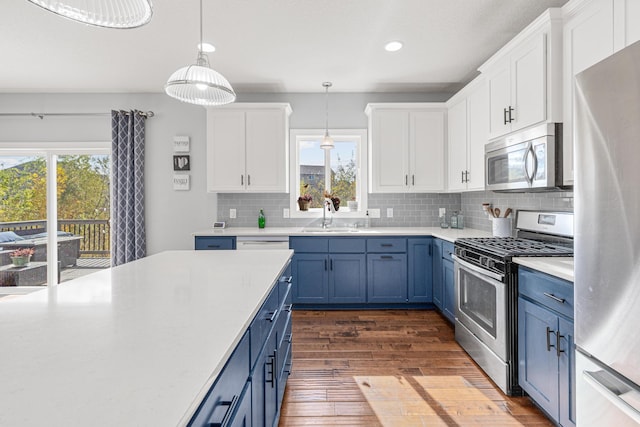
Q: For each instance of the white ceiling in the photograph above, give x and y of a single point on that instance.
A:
(265, 45)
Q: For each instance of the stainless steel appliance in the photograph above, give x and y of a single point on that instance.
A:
(262, 242)
(607, 262)
(530, 160)
(487, 290)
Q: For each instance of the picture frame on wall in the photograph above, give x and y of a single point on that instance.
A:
(181, 144)
(181, 182)
(181, 163)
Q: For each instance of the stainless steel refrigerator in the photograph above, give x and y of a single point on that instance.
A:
(607, 241)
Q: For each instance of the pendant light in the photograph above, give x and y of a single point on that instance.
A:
(102, 13)
(327, 142)
(199, 83)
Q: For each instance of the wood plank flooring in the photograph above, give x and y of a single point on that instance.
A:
(391, 368)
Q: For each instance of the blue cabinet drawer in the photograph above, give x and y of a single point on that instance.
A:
(263, 323)
(347, 245)
(309, 244)
(387, 245)
(226, 393)
(214, 243)
(555, 293)
(447, 250)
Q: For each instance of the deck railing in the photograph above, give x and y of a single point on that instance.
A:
(95, 233)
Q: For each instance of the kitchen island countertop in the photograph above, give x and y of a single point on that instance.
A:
(449, 234)
(561, 267)
(135, 345)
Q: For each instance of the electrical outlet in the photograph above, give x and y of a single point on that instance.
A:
(374, 213)
(232, 213)
(389, 212)
(285, 213)
(442, 212)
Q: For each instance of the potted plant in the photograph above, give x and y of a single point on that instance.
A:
(304, 201)
(21, 257)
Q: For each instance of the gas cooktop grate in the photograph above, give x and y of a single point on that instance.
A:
(510, 246)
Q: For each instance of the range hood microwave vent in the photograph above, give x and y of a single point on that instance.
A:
(526, 161)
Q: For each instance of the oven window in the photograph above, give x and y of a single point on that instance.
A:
(478, 301)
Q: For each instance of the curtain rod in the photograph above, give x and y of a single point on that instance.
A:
(41, 116)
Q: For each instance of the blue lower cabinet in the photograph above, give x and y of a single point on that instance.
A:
(221, 403)
(567, 374)
(420, 277)
(242, 416)
(546, 347)
(438, 283)
(311, 278)
(538, 363)
(347, 278)
(263, 385)
(209, 243)
(387, 278)
(449, 290)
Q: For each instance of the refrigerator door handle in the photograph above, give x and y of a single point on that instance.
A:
(613, 397)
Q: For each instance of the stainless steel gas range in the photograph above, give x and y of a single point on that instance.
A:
(487, 289)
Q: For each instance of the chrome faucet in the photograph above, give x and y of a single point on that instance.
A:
(327, 204)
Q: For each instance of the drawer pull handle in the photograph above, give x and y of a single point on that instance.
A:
(386, 245)
(549, 332)
(227, 415)
(386, 257)
(213, 246)
(553, 297)
(288, 307)
(273, 315)
(289, 338)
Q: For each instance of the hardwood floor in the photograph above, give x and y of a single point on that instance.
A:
(391, 368)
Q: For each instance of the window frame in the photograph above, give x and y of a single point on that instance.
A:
(361, 171)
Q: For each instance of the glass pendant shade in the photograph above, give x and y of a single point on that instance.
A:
(199, 84)
(102, 13)
(327, 142)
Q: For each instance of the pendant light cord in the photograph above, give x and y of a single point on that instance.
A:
(200, 47)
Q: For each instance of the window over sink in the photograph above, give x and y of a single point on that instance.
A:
(341, 171)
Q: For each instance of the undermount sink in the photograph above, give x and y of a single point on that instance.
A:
(330, 230)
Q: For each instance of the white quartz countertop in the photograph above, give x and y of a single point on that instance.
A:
(135, 345)
(442, 233)
(561, 267)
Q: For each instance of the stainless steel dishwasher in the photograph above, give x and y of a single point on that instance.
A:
(244, 243)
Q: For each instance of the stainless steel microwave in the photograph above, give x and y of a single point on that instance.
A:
(530, 160)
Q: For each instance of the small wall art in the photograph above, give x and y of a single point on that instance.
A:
(181, 144)
(181, 182)
(181, 163)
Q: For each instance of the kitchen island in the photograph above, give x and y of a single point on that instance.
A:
(135, 345)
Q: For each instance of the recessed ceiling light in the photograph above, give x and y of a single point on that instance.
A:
(393, 46)
(206, 47)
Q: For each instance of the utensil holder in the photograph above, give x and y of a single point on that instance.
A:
(502, 227)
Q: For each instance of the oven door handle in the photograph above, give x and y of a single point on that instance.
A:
(479, 270)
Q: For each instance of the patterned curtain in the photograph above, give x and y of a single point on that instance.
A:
(128, 238)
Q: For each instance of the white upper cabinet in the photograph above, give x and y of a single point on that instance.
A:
(468, 124)
(525, 76)
(593, 30)
(247, 148)
(406, 147)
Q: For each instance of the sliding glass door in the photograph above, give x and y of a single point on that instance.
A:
(72, 198)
